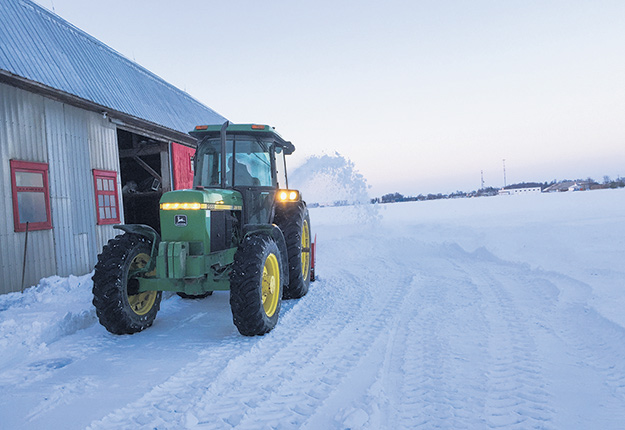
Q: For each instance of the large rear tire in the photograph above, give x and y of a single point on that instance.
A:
(295, 225)
(256, 285)
(120, 307)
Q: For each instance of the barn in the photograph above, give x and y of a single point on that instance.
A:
(88, 139)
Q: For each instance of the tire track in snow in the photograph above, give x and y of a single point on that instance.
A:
(516, 392)
(485, 375)
(293, 399)
(165, 405)
(427, 373)
(598, 346)
(440, 384)
(158, 406)
(257, 389)
(593, 345)
(516, 395)
(559, 321)
(367, 399)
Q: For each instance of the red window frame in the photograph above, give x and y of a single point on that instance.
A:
(106, 197)
(36, 168)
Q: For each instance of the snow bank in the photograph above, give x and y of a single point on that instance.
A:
(55, 308)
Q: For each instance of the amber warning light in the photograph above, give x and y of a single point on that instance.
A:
(258, 127)
(288, 196)
(201, 127)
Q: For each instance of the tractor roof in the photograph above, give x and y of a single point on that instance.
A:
(261, 130)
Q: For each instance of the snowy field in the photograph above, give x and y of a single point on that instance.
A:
(500, 312)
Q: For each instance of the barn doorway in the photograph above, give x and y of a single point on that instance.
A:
(144, 169)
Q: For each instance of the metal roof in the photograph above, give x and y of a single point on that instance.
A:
(42, 47)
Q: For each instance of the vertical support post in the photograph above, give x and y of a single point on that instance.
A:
(286, 176)
(166, 167)
(25, 249)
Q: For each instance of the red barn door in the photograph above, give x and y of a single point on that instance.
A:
(182, 163)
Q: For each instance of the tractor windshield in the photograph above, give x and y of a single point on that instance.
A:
(248, 163)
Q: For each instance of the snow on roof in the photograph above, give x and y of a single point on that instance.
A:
(42, 47)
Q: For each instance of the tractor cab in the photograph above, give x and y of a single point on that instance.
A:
(248, 158)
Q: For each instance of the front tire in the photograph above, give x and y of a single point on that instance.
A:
(120, 307)
(256, 285)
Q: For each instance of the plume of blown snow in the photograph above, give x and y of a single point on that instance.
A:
(333, 180)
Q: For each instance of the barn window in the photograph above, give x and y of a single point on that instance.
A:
(106, 199)
(31, 195)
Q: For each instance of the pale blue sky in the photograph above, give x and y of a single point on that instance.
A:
(420, 95)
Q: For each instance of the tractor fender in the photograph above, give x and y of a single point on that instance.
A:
(146, 231)
(275, 233)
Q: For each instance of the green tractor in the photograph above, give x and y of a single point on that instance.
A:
(236, 230)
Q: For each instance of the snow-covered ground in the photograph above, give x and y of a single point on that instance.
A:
(500, 312)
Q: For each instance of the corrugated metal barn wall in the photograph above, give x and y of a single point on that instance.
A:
(22, 137)
(71, 187)
(104, 155)
(73, 142)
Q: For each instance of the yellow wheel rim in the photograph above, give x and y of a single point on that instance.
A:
(141, 303)
(271, 285)
(305, 250)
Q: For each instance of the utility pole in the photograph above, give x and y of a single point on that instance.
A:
(504, 173)
(482, 172)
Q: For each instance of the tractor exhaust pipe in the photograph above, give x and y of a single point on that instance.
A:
(222, 136)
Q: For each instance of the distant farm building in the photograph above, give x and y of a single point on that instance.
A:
(570, 186)
(516, 191)
(88, 139)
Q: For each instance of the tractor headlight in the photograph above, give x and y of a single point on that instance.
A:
(217, 206)
(183, 206)
(288, 196)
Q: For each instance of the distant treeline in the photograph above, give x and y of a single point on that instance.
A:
(491, 191)
(397, 197)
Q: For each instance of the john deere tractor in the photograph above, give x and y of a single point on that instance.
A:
(240, 229)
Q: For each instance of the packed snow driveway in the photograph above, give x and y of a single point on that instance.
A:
(454, 314)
